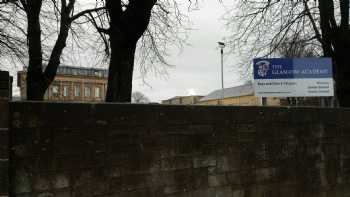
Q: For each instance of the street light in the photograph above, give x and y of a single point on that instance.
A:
(222, 46)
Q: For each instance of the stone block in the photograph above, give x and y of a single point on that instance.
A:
(183, 177)
(230, 162)
(115, 185)
(223, 192)
(159, 179)
(217, 180)
(204, 161)
(177, 115)
(4, 118)
(137, 193)
(133, 182)
(46, 194)
(208, 192)
(265, 174)
(234, 178)
(246, 115)
(42, 183)
(169, 190)
(238, 193)
(203, 115)
(67, 162)
(22, 182)
(4, 180)
(64, 193)
(139, 162)
(305, 115)
(200, 178)
(61, 181)
(181, 162)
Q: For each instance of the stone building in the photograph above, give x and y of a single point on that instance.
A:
(72, 84)
(182, 100)
(240, 95)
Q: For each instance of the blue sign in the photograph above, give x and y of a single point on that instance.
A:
(296, 68)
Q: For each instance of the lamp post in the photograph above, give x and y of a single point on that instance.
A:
(222, 46)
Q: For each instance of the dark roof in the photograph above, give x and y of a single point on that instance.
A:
(80, 71)
(243, 90)
(177, 97)
(67, 70)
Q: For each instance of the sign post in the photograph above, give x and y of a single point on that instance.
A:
(297, 77)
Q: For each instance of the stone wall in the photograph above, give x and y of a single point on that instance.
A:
(5, 95)
(65, 150)
(5, 85)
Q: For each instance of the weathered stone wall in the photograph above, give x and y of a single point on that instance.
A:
(5, 85)
(177, 151)
(5, 95)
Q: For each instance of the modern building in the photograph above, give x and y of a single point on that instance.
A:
(72, 84)
(182, 100)
(240, 95)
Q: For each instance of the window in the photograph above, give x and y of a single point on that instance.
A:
(65, 91)
(77, 90)
(55, 90)
(97, 92)
(87, 91)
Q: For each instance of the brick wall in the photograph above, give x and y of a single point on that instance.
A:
(178, 151)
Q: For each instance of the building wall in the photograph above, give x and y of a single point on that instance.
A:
(190, 100)
(182, 100)
(69, 82)
(274, 102)
(175, 151)
(242, 101)
(175, 101)
(209, 102)
(166, 102)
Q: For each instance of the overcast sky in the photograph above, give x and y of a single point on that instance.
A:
(197, 69)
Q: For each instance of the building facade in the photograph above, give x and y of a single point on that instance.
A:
(72, 84)
(239, 96)
(182, 100)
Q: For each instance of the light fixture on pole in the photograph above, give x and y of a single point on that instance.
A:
(222, 46)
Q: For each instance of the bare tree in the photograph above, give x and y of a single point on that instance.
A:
(39, 77)
(155, 23)
(260, 27)
(139, 97)
(295, 47)
(11, 32)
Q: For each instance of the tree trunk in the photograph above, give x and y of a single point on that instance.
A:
(38, 81)
(336, 44)
(126, 28)
(342, 72)
(341, 51)
(35, 90)
(121, 69)
(54, 61)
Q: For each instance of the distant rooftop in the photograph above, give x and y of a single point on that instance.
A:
(80, 71)
(177, 97)
(243, 90)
